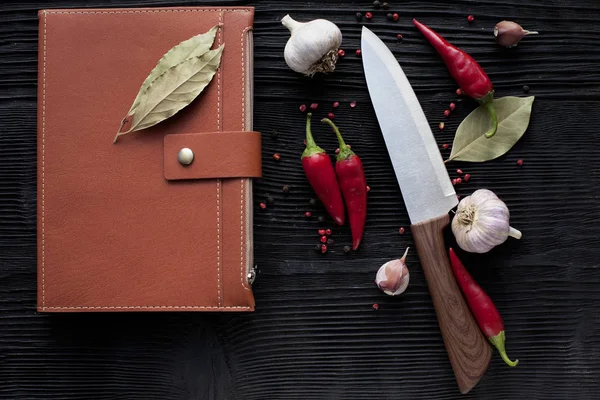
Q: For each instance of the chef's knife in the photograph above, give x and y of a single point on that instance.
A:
(429, 196)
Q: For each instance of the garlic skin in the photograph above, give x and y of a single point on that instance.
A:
(392, 277)
(313, 46)
(481, 222)
(508, 33)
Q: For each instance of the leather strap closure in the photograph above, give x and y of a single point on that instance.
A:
(213, 154)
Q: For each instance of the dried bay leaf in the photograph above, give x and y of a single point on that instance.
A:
(179, 77)
(195, 46)
(470, 143)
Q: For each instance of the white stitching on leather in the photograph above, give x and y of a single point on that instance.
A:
(218, 180)
(149, 11)
(44, 175)
(219, 307)
(143, 307)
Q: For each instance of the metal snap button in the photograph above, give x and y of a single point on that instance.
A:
(185, 156)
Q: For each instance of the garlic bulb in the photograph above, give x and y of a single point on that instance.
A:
(481, 222)
(392, 277)
(508, 33)
(313, 46)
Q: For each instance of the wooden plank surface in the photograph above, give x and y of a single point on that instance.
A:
(314, 334)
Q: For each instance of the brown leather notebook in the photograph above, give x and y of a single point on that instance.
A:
(126, 226)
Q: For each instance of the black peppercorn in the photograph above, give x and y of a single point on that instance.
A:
(376, 4)
(317, 247)
(274, 134)
(359, 16)
(385, 5)
(525, 89)
(312, 202)
(286, 189)
(330, 242)
(270, 200)
(321, 219)
(390, 16)
(347, 249)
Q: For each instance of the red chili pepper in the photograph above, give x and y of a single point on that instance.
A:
(321, 176)
(469, 75)
(481, 306)
(351, 175)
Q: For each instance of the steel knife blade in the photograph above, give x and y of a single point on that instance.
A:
(429, 196)
(420, 171)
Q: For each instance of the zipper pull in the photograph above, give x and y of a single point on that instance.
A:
(251, 275)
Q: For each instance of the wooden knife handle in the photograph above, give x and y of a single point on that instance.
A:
(468, 350)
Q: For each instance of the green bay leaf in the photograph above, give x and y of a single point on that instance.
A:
(192, 47)
(470, 143)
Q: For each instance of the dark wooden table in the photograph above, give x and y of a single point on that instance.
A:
(314, 334)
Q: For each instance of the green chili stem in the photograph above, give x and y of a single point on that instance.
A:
(492, 111)
(310, 142)
(498, 341)
(311, 146)
(345, 151)
(337, 133)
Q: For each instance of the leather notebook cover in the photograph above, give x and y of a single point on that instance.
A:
(125, 226)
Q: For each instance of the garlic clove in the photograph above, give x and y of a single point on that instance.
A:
(393, 277)
(313, 46)
(508, 33)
